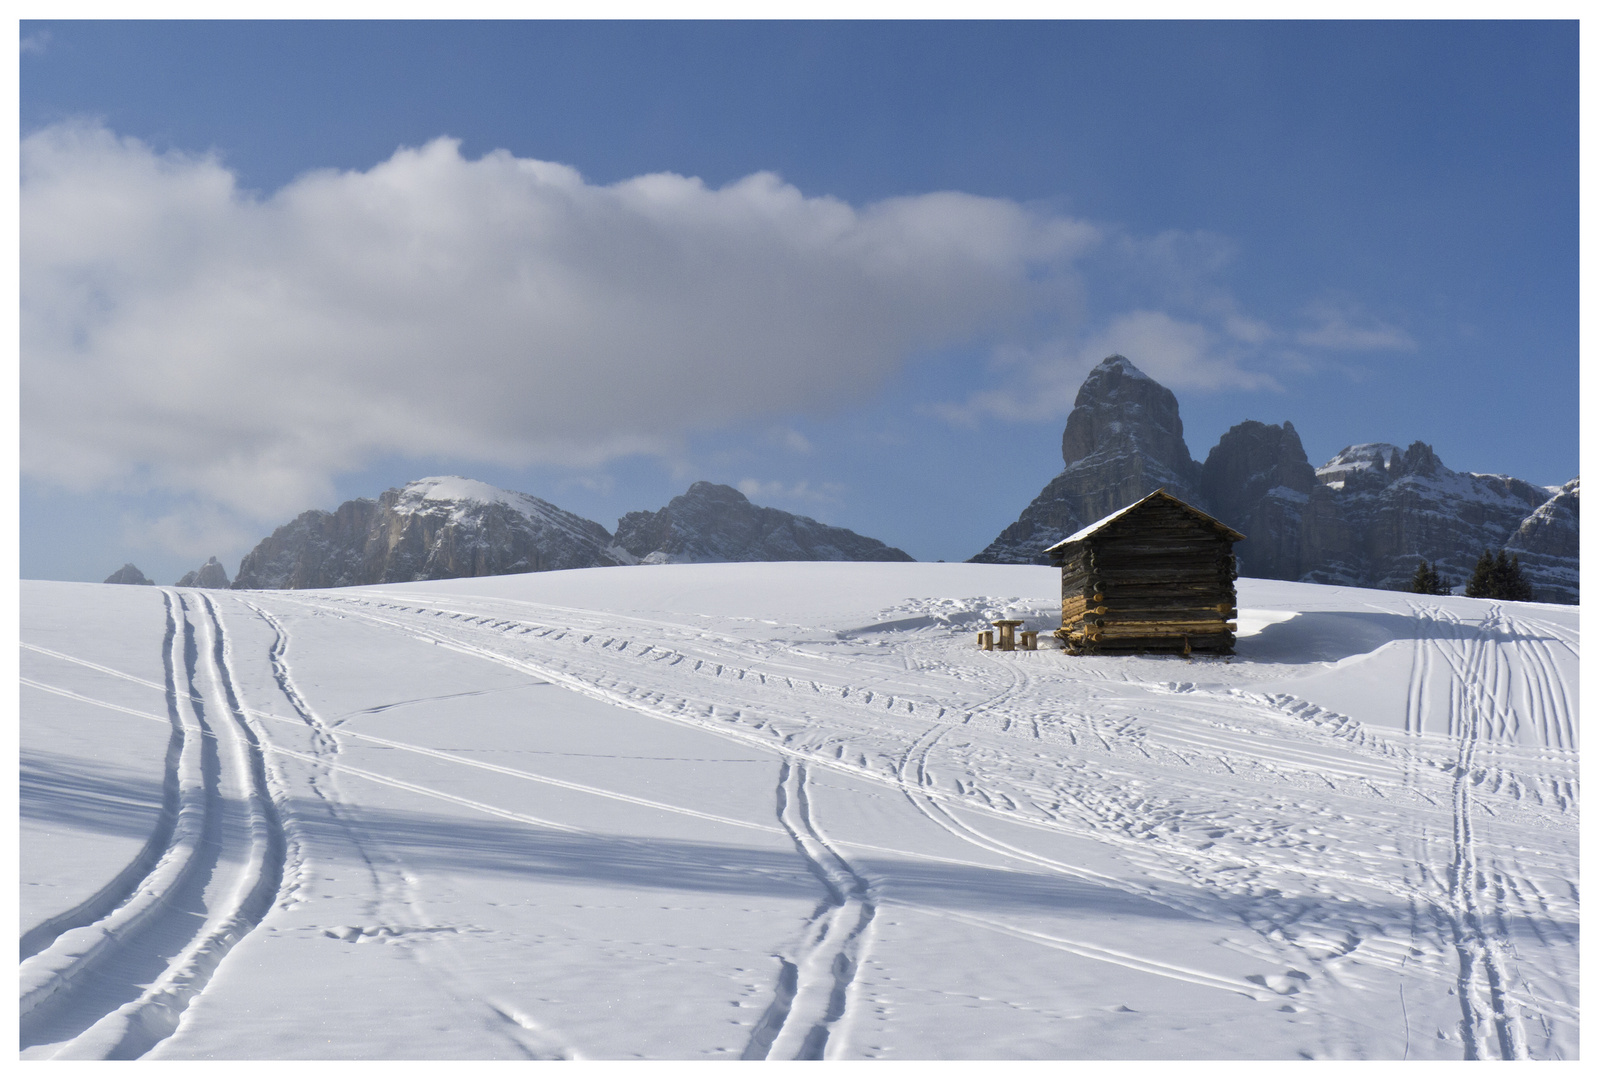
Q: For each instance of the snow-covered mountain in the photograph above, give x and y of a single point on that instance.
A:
(1364, 518)
(437, 527)
(716, 523)
(1376, 511)
(451, 527)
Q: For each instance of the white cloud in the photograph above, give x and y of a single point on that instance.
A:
(191, 531)
(766, 492)
(1343, 327)
(179, 334)
(791, 440)
(1180, 354)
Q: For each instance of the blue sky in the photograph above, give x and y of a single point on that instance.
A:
(255, 281)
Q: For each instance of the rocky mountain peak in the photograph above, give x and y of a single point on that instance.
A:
(1364, 518)
(1256, 479)
(1419, 460)
(128, 575)
(209, 576)
(716, 523)
(1118, 411)
(453, 489)
(1123, 439)
(1251, 459)
(1359, 461)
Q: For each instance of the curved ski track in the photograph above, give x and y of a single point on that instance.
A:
(394, 897)
(120, 888)
(764, 694)
(757, 693)
(812, 993)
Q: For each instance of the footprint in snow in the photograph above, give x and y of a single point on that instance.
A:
(1279, 984)
(360, 934)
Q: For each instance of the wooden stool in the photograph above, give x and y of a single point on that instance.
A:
(985, 640)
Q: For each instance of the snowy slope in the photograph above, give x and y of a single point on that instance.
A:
(789, 810)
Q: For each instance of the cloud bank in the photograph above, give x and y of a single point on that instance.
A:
(181, 334)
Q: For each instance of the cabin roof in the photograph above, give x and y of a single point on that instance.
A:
(1159, 493)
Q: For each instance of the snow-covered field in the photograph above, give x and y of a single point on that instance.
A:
(790, 810)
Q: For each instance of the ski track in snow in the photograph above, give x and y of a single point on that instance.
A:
(117, 986)
(395, 907)
(1250, 809)
(606, 665)
(813, 985)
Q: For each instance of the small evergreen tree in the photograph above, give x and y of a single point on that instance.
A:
(1499, 577)
(1482, 576)
(1508, 582)
(1429, 582)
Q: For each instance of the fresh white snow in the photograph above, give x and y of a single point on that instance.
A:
(790, 810)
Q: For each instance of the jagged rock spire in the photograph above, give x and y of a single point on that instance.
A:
(128, 575)
(1123, 440)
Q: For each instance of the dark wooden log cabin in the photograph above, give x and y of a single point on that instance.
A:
(1156, 576)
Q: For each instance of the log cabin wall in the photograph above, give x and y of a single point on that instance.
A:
(1155, 577)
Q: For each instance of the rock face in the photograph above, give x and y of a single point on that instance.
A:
(317, 550)
(1365, 518)
(1123, 440)
(209, 576)
(438, 527)
(1258, 480)
(1547, 543)
(1375, 512)
(716, 523)
(128, 575)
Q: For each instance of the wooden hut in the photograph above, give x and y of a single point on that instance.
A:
(1156, 576)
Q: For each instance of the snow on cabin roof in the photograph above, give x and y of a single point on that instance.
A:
(1089, 530)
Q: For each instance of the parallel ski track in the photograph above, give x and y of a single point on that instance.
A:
(424, 623)
(120, 889)
(813, 987)
(119, 986)
(1488, 1020)
(1381, 760)
(429, 630)
(1462, 897)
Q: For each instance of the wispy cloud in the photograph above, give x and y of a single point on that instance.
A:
(1042, 383)
(800, 491)
(1163, 302)
(1344, 327)
(791, 440)
(36, 42)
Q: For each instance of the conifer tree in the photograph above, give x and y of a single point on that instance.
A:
(1509, 584)
(1426, 580)
(1482, 582)
(1499, 577)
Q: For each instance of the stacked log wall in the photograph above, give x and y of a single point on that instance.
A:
(1159, 580)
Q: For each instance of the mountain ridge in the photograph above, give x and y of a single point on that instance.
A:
(451, 526)
(1365, 517)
